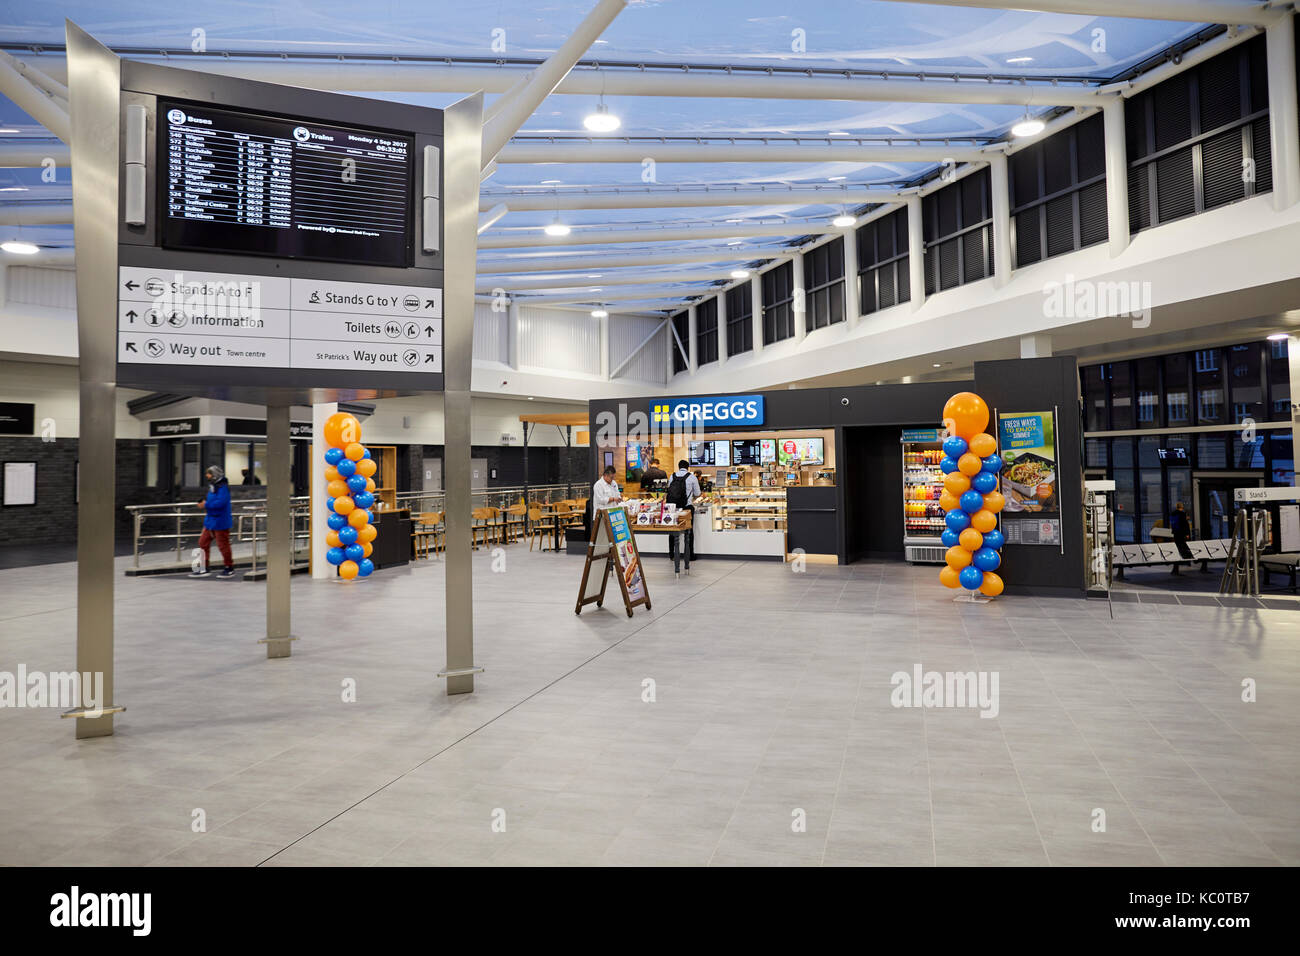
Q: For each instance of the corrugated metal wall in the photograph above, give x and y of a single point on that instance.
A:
(625, 334)
(34, 285)
(490, 344)
(554, 339)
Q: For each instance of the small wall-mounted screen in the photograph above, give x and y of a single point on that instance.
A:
(809, 451)
(745, 451)
(256, 184)
(710, 453)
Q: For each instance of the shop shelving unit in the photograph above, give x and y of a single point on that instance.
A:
(922, 516)
(756, 509)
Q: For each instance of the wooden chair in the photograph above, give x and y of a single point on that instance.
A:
(539, 527)
(514, 521)
(484, 526)
(429, 533)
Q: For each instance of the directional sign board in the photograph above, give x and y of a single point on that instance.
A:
(276, 238)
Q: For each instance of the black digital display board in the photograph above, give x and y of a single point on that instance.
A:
(266, 185)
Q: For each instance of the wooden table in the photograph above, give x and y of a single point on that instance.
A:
(562, 519)
(679, 530)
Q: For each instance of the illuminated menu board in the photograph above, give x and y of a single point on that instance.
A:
(292, 188)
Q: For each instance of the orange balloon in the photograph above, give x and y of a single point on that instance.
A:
(341, 429)
(994, 501)
(332, 538)
(358, 518)
(367, 534)
(332, 474)
(367, 467)
(971, 540)
(348, 570)
(957, 557)
(344, 505)
(948, 501)
(370, 482)
(336, 488)
(956, 483)
(983, 445)
(949, 578)
(969, 465)
(367, 549)
(992, 584)
(984, 521)
(356, 451)
(965, 415)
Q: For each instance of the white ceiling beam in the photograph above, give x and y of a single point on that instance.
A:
(35, 213)
(1184, 11)
(604, 234)
(39, 104)
(21, 152)
(667, 198)
(602, 279)
(601, 298)
(599, 262)
(368, 76)
(490, 218)
(603, 151)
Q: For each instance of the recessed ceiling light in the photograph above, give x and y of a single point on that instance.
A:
(530, 398)
(740, 273)
(1020, 59)
(938, 365)
(836, 179)
(602, 121)
(736, 242)
(599, 314)
(1279, 336)
(1029, 126)
(837, 132)
(20, 248)
(551, 182)
(557, 229)
(8, 129)
(735, 220)
(843, 222)
(13, 189)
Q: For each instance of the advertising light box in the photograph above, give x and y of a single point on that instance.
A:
(726, 411)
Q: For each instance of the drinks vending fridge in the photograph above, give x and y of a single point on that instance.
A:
(922, 484)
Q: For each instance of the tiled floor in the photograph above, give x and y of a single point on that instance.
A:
(770, 738)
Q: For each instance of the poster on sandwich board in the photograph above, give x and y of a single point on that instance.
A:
(613, 548)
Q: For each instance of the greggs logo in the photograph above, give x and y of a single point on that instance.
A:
(724, 410)
(659, 413)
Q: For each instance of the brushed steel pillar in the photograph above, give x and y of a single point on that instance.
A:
(94, 83)
(279, 531)
(462, 150)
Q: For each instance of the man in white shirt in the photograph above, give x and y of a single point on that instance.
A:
(605, 493)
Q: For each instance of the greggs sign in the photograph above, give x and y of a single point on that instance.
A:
(708, 412)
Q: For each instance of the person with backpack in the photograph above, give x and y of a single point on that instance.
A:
(217, 520)
(683, 489)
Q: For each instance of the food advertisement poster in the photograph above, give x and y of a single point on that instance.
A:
(625, 548)
(1028, 445)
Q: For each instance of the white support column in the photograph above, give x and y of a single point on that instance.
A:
(1038, 345)
(852, 308)
(1293, 367)
(799, 304)
(321, 570)
(1116, 175)
(512, 335)
(1000, 188)
(915, 252)
(722, 327)
(692, 347)
(1284, 122)
(756, 304)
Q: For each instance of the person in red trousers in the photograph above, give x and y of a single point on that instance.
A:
(216, 521)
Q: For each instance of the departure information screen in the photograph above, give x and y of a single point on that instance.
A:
(291, 188)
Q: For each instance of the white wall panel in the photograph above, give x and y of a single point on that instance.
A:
(33, 285)
(625, 334)
(489, 334)
(559, 340)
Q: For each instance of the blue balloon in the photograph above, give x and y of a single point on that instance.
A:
(971, 577)
(336, 522)
(329, 504)
(955, 447)
(984, 482)
(986, 559)
(956, 520)
(357, 483)
(947, 465)
(347, 467)
(334, 556)
(333, 456)
(950, 538)
(366, 454)
(971, 501)
(992, 464)
(994, 540)
(348, 535)
(364, 499)
(364, 567)
(354, 552)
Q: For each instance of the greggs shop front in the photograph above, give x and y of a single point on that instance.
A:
(839, 475)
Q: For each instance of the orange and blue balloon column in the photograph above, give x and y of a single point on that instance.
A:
(971, 499)
(350, 471)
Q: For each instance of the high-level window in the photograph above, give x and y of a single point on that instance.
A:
(958, 232)
(706, 331)
(778, 303)
(740, 319)
(1200, 139)
(823, 274)
(1058, 193)
(682, 326)
(882, 262)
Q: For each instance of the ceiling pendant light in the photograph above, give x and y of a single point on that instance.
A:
(1028, 126)
(602, 121)
(20, 248)
(599, 314)
(740, 273)
(557, 228)
(843, 221)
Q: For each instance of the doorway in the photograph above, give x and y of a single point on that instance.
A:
(1216, 509)
(431, 469)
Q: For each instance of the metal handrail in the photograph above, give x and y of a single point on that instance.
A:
(240, 533)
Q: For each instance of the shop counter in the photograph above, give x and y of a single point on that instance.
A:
(732, 543)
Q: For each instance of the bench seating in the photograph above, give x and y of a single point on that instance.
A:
(1158, 553)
